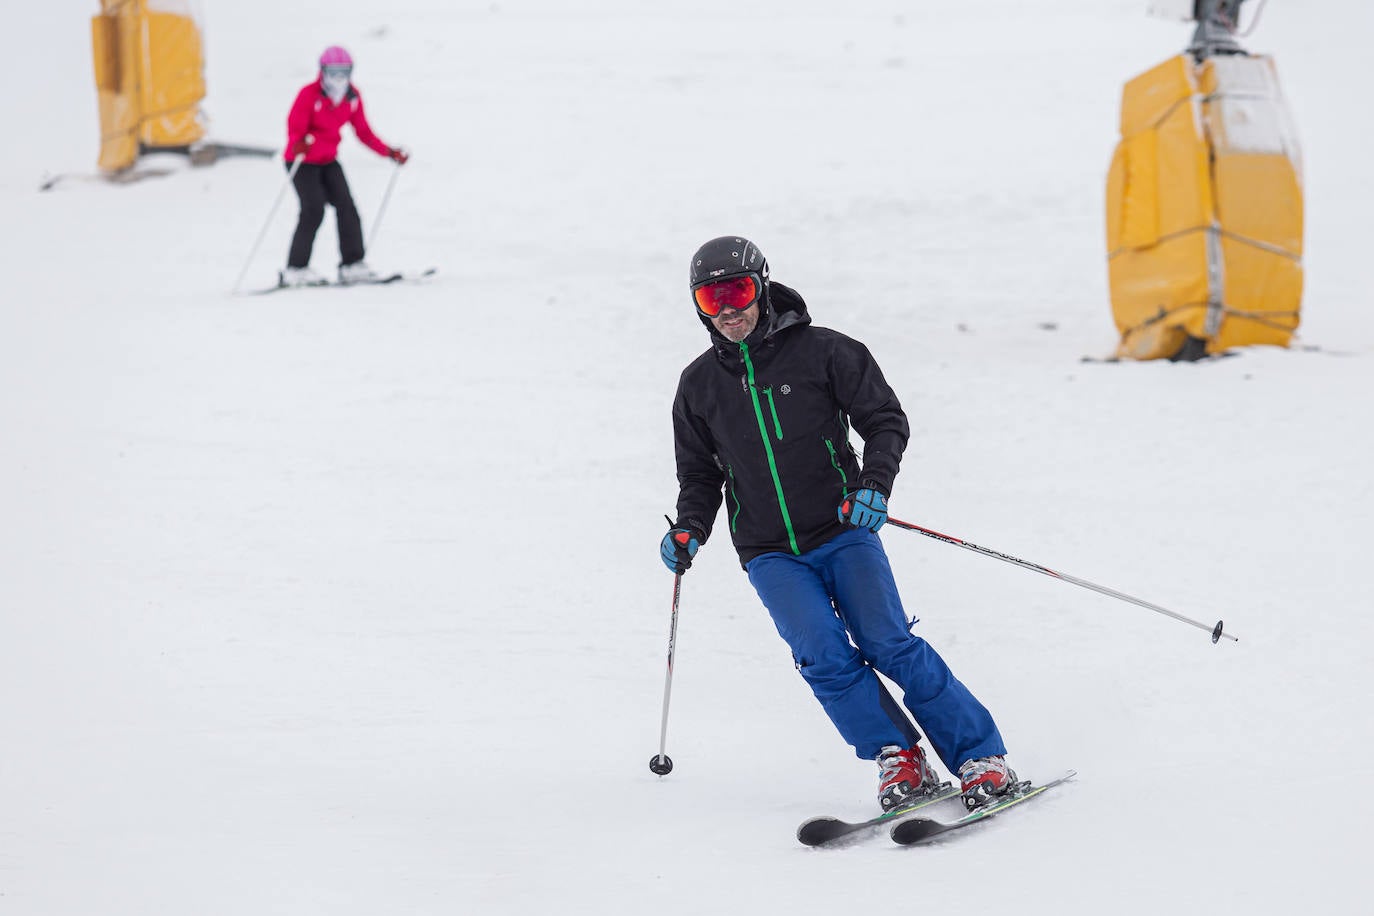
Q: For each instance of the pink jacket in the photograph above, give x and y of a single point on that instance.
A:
(314, 114)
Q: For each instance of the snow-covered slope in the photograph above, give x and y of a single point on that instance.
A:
(310, 602)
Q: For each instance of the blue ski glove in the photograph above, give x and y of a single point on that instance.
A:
(678, 547)
(865, 509)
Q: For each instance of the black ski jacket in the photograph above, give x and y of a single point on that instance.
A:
(767, 421)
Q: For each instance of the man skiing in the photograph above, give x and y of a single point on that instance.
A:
(319, 113)
(761, 421)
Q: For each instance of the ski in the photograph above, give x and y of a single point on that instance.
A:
(280, 287)
(922, 829)
(380, 280)
(821, 831)
(399, 276)
(126, 176)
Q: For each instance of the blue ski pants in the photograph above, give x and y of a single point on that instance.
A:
(843, 591)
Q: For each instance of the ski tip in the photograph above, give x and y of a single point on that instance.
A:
(1068, 774)
(818, 830)
(260, 291)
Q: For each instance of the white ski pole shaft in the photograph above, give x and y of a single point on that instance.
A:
(1215, 630)
(386, 196)
(290, 177)
(661, 763)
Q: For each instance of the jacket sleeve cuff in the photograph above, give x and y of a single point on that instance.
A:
(872, 483)
(693, 525)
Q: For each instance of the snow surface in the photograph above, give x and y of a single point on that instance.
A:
(348, 601)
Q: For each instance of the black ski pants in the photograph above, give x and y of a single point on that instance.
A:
(317, 185)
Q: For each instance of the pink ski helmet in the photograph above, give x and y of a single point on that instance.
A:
(335, 56)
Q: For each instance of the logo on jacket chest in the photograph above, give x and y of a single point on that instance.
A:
(781, 389)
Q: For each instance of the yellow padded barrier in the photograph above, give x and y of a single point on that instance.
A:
(1204, 209)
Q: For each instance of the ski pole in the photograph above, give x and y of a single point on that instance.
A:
(386, 196)
(661, 764)
(290, 177)
(1216, 631)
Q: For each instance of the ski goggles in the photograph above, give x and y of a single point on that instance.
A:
(344, 70)
(736, 293)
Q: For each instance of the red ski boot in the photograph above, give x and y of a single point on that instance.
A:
(985, 779)
(905, 776)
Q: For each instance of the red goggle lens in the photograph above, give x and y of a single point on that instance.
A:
(736, 293)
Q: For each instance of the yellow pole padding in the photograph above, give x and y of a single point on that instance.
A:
(175, 84)
(113, 35)
(149, 73)
(1204, 209)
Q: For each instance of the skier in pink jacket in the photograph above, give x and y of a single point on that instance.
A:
(319, 113)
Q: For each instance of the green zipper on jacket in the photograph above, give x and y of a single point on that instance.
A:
(734, 517)
(835, 463)
(773, 409)
(768, 446)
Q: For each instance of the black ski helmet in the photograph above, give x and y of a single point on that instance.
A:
(727, 256)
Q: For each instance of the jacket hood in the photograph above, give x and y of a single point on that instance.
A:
(782, 308)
